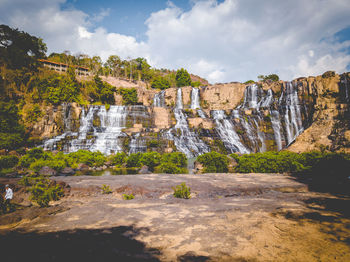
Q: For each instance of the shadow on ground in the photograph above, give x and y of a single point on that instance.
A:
(113, 244)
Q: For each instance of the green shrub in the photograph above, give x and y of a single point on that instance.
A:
(183, 78)
(118, 159)
(196, 84)
(57, 165)
(42, 190)
(8, 161)
(133, 160)
(160, 83)
(249, 82)
(171, 168)
(151, 159)
(214, 162)
(128, 197)
(91, 159)
(106, 189)
(182, 191)
(129, 95)
(33, 155)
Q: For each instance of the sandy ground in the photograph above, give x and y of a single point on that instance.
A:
(230, 217)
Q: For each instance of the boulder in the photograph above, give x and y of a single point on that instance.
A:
(144, 170)
(48, 171)
(83, 167)
(67, 171)
(198, 168)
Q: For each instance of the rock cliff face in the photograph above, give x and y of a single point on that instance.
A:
(301, 115)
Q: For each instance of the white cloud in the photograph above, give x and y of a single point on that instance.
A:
(235, 40)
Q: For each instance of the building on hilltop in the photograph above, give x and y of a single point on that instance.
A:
(61, 67)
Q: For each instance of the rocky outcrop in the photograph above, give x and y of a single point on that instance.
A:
(302, 115)
(331, 118)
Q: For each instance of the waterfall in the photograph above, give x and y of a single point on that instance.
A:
(195, 98)
(137, 144)
(227, 133)
(159, 99)
(267, 100)
(289, 103)
(276, 126)
(195, 102)
(184, 139)
(112, 122)
(251, 97)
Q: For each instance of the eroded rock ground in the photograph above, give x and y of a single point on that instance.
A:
(230, 217)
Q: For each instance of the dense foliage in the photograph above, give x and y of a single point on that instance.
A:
(12, 134)
(19, 49)
(183, 78)
(160, 83)
(214, 162)
(173, 163)
(332, 164)
(8, 161)
(129, 95)
(272, 77)
(42, 189)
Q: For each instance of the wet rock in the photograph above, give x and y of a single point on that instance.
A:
(83, 167)
(144, 170)
(45, 170)
(67, 171)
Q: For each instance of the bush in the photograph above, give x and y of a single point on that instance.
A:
(128, 197)
(151, 159)
(8, 161)
(171, 168)
(106, 189)
(42, 190)
(118, 159)
(57, 165)
(183, 78)
(160, 83)
(182, 191)
(129, 95)
(33, 155)
(134, 160)
(173, 163)
(214, 162)
(91, 159)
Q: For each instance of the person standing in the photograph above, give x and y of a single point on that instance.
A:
(8, 198)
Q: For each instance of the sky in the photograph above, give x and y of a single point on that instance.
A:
(222, 41)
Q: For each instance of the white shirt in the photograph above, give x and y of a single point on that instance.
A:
(9, 193)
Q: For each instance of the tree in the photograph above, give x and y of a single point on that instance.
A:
(11, 131)
(183, 78)
(113, 63)
(19, 49)
(160, 83)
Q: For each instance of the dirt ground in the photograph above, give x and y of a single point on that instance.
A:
(230, 217)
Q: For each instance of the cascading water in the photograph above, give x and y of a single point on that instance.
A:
(289, 104)
(101, 130)
(184, 139)
(159, 99)
(227, 133)
(112, 122)
(276, 126)
(195, 102)
(137, 144)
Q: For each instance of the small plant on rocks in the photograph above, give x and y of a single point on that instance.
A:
(128, 197)
(106, 189)
(182, 191)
